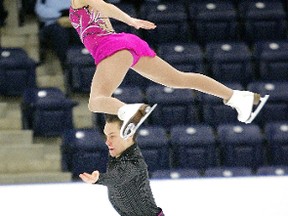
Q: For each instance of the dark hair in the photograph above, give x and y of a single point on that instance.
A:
(109, 118)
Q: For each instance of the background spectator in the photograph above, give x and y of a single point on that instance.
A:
(55, 28)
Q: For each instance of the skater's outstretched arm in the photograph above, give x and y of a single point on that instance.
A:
(114, 12)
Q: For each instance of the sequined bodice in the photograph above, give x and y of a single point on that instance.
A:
(89, 23)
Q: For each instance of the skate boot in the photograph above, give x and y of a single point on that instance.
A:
(243, 102)
(133, 115)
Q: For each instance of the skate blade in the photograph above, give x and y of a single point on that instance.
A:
(134, 128)
(253, 115)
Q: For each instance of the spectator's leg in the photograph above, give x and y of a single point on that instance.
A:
(3, 13)
(58, 37)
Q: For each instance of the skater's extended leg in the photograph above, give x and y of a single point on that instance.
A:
(108, 76)
(161, 72)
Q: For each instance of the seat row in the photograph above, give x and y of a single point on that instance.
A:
(217, 172)
(206, 21)
(17, 73)
(225, 62)
(196, 147)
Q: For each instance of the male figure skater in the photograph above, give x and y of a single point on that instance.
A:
(127, 175)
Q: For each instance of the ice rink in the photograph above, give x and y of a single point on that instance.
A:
(253, 196)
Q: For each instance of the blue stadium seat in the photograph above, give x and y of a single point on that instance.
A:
(175, 106)
(214, 111)
(276, 90)
(216, 114)
(241, 145)
(276, 108)
(272, 171)
(128, 8)
(277, 137)
(180, 55)
(272, 112)
(228, 172)
(230, 62)
(272, 60)
(83, 150)
(263, 20)
(47, 111)
(154, 145)
(171, 19)
(194, 147)
(17, 71)
(175, 174)
(79, 70)
(129, 94)
(214, 21)
(88, 162)
(133, 79)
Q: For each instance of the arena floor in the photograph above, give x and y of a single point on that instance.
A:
(253, 196)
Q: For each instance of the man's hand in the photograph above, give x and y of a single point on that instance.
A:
(90, 178)
(139, 23)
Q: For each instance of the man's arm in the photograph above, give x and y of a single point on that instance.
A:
(115, 177)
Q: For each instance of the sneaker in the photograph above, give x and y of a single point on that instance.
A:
(133, 115)
(243, 102)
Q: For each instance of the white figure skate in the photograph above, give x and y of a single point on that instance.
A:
(133, 115)
(243, 102)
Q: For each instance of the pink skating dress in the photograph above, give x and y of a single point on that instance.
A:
(101, 40)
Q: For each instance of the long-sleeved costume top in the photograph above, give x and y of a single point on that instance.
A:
(128, 184)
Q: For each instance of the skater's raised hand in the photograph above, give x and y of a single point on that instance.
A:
(90, 178)
(139, 23)
(110, 10)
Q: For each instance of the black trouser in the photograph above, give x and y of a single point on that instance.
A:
(3, 13)
(57, 37)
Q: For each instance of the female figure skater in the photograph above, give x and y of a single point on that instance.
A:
(115, 53)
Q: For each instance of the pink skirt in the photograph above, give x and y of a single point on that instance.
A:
(107, 45)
